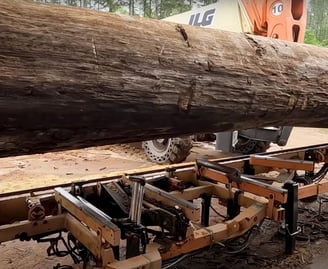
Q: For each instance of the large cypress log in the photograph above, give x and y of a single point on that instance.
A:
(72, 78)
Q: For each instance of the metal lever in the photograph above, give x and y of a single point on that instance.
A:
(137, 198)
(232, 174)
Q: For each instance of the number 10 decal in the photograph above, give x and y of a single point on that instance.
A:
(277, 9)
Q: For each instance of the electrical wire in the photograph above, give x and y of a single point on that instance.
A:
(218, 213)
(321, 174)
(247, 242)
(180, 259)
(58, 266)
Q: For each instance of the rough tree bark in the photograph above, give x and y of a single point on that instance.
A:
(72, 78)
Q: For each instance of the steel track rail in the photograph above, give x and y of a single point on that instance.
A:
(50, 188)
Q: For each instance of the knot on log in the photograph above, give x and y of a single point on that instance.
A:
(183, 32)
(259, 50)
(186, 98)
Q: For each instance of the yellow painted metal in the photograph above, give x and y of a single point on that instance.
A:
(228, 15)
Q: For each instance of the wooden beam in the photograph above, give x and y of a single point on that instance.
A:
(27, 229)
(73, 77)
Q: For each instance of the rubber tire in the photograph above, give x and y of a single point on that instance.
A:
(174, 150)
(249, 146)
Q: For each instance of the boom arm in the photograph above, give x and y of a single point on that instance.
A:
(284, 20)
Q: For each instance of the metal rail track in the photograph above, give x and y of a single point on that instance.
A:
(50, 188)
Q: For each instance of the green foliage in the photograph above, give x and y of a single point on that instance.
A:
(208, 2)
(317, 22)
(310, 38)
(112, 5)
(147, 8)
(171, 7)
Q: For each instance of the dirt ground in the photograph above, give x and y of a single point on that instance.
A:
(266, 250)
